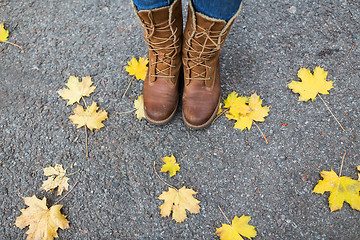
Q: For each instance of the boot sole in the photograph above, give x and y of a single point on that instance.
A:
(162, 122)
(204, 125)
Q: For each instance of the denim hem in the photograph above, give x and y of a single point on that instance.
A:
(223, 10)
(151, 4)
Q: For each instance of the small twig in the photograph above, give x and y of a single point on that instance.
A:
(128, 86)
(342, 163)
(125, 29)
(162, 179)
(84, 101)
(66, 193)
(261, 132)
(226, 110)
(224, 214)
(86, 142)
(13, 44)
(327, 24)
(125, 112)
(349, 53)
(72, 173)
(16, 24)
(331, 112)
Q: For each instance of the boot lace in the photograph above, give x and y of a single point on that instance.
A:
(199, 57)
(159, 46)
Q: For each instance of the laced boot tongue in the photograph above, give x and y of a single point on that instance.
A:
(154, 16)
(204, 43)
(156, 22)
(160, 38)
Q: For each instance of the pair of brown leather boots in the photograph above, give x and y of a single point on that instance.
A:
(196, 50)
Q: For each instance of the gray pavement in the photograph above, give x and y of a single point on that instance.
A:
(116, 194)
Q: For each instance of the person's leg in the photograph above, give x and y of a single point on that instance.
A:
(151, 4)
(224, 9)
(203, 38)
(162, 29)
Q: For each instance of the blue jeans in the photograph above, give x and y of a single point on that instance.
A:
(220, 9)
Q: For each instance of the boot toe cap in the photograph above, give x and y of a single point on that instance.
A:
(199, 117)
(159, 113)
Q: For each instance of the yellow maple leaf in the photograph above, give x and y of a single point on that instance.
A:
(139, 69)
(239, 107)
(358, 168)
(231, 98)
(342, 189)
(76, 89)
(56, 179)
(245, 110)
(170, 165)
(220, 109)
(311, 84)
(256, 113)
(3, 33)
(239, 227)
(243, 122)
(139, 106)
(178, 201)
(43, 222)
(90, 117)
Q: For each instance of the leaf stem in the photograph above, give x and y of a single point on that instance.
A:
(66, 194)
(342, 163)
(224, 214)
(261, 132)
(72, 173)
(162, 179)
(220, 115)
(13, 44)
(86, 135)
(128, 86)
(331, 112)
(86, 142)
(182, 158)
(84, 101)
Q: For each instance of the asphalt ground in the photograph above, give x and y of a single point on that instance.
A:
(117, 189)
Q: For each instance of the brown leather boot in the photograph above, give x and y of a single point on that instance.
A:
(203, 38)
(162, 29)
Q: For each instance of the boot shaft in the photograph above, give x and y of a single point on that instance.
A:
(203, 38)
(163, 29)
